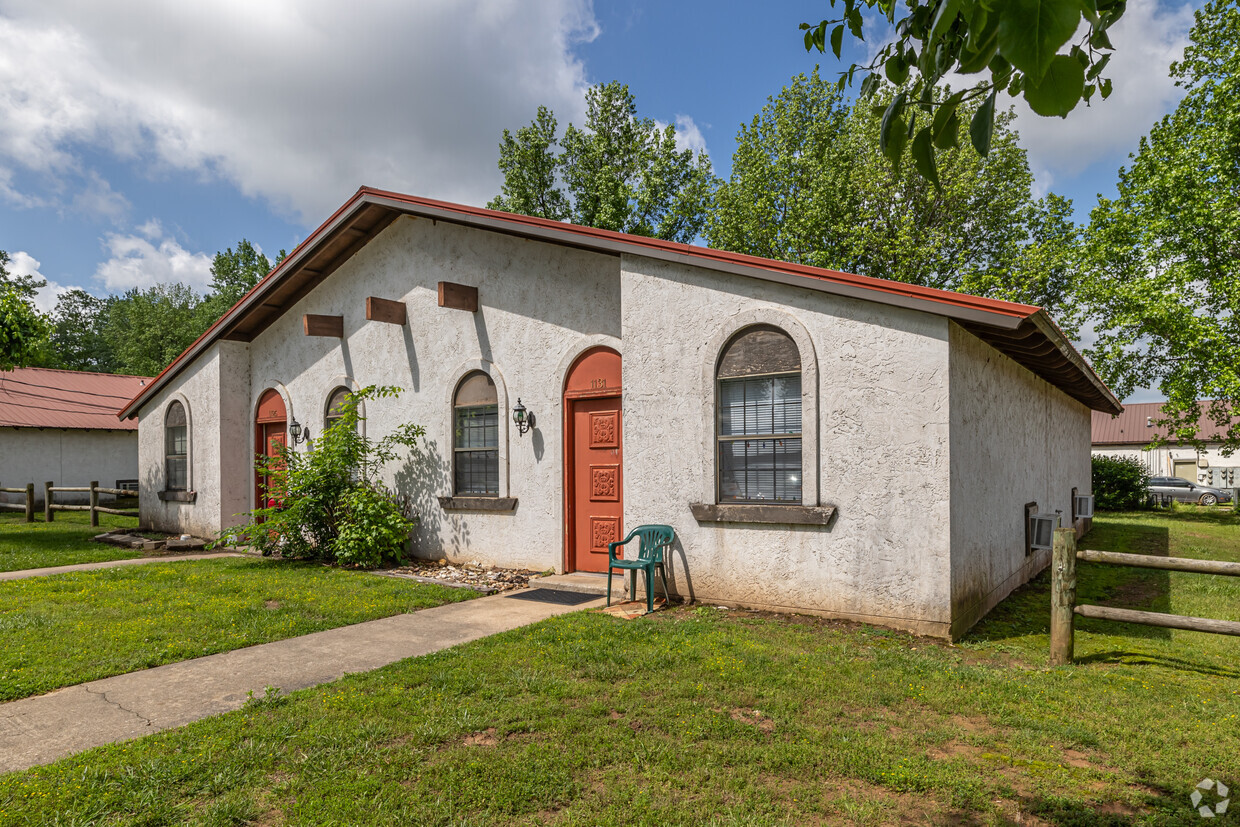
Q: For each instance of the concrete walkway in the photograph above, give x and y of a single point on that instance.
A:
(42, 729)
(111, 564)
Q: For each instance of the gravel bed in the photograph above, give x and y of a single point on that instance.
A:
(488, 579)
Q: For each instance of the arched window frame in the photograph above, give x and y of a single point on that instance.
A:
(328, 419)
(810, 464)
(462, 372)
(183, 441)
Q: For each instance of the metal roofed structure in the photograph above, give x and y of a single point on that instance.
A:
(47, 398)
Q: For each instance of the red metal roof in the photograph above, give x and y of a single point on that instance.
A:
(1137, 425)
(1022, 331)
(44, 398)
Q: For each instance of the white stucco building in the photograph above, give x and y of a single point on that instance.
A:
(820, 441)
(60, 426)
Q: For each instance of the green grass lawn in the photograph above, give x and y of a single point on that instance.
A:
(712, 717)
(63, 542)
(71, 628)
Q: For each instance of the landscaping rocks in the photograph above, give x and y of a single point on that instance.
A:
(192, 544)
(486, 579)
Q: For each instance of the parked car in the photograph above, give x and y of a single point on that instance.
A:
(1187, 492)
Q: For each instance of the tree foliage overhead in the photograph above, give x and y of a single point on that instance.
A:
(1022, 46)
(1161, 285)
(619, 172)
(810, 186)
(22, 327)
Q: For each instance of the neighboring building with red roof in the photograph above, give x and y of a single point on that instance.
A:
(1131, 432)
(820, 441)
(61, 426)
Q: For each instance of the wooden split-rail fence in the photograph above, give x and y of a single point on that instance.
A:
(1064, 607)
(50, 506)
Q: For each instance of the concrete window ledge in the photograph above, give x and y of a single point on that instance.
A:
(478, 503)
(753, 513)
(178, 496)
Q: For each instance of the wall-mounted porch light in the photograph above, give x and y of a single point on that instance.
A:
(523, 418)
(297, 433)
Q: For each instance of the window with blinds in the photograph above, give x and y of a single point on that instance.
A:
(476, 438)
(759, 419)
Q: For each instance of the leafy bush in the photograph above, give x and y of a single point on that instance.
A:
(1119, 483)
(328, 501)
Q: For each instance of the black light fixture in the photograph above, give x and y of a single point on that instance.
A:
(524, 419)
(295, 431)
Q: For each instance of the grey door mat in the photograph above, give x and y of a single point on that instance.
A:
(563, 598)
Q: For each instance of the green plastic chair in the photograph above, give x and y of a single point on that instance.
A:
(655, 541)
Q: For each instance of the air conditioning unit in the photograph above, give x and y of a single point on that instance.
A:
(1042, 530)
(1085, 506)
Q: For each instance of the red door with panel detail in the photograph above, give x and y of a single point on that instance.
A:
(594, 477)
(270, 435)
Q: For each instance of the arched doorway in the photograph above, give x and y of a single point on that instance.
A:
(270, 435)
(593, 479)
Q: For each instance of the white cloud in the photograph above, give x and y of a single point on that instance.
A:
(297, 102)
(23, 264)
(144, 262)
(1148, 38)
(688, 135)
(99, 200)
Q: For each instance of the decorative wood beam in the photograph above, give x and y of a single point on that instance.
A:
(315, 325)
(458, 296)
(386, 310)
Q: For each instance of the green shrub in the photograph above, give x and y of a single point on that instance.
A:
(329, 503)
(1119, 483)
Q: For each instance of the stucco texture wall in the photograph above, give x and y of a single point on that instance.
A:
(65, 457)
(882, 458)
(1016, 439)
(540, 304)
(208, 389)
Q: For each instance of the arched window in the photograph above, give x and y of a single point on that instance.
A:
(759, 418)
(176, 448)
(476, 438)
(334, 404)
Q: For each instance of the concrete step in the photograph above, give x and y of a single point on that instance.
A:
(590, 583)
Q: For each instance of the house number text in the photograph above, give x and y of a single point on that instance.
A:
(595, 384)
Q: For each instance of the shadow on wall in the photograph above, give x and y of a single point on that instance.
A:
(677, 565)
(422, 478)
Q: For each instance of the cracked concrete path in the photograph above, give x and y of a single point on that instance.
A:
(22, 574)
(41, 729)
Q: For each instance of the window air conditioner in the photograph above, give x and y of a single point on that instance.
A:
(1042, 530)
(1085, 506)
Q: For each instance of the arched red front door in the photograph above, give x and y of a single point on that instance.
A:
(593, 479)
(270, 434)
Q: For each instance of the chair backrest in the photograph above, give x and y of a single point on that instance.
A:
(654, 540)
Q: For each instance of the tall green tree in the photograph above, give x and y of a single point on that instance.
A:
(809, 185)
(146, 329)
(1161, 285)
(233, 273)
(23, 330)
(619, 172)
(78, 338)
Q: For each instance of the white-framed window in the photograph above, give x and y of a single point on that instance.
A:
(475, 417)
(758, 418)
(335, 401)
(176, 448)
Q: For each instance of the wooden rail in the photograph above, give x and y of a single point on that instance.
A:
(1064, 608)
(50, 506)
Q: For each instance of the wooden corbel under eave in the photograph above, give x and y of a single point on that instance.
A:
(315, 325)
(386, 310)
(458, 296)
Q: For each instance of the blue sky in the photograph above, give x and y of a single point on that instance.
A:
(139, 137)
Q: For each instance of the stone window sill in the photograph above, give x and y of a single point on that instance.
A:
(178, 496)
(478, 503)
(757, 513)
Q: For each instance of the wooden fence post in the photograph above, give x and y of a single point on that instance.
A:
(30, 502)
(1063, 595)
(47, 502)
(94, 503)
